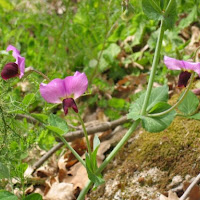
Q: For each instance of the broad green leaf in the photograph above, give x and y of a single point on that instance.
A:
(4, 172)
(189, 104)
(152, 9)
(28, 99)
(170, 18)
(34, 196)
(195, 116)
(158, 106)
(5, 195)
(40, 117)
(159, 94)
(57, 124)
(108, 56)
(157, 124)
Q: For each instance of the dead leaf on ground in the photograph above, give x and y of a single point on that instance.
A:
(77, 176)
(171, 196)
(194, 193)
(60, 191)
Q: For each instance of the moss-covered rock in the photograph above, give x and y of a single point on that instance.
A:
(173, 151)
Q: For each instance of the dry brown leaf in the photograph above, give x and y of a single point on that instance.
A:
(171, 196)
(77, 176)
(194, 193)
(60, 191)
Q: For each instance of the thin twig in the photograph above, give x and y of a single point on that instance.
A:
(70, 136)
(187, 192)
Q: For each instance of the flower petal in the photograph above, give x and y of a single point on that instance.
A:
(15, 51)
(20, 61)
(69, 103)
(172, 63)
(10, 70)
(183, 78)
(191, 66)
(76, 84)
(53, 91)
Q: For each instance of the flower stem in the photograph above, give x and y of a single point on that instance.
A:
(71, 149)
(110, 157)
(86, 135)
(177, 103)
(137, 122)
(31, 69)
(153, 70)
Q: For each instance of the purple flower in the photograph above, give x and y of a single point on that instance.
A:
(65, 90)
(12, 69)
(186, 66)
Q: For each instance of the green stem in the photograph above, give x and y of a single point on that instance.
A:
(153, 70)
(31, 69)
(110, 156)
(177, 103)
(86, 135)
(137, 122)
(71, 149)
(85, 190)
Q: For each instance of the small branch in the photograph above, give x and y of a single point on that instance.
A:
(70, 136)
(186, 193)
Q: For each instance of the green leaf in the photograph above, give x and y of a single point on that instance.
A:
(195, 116)
(5, 195)
(159, 94)
(34, 196)
(170, 17)
(40, 117)
(57, 124)
(108, 56)
(4, 172)
(28, 99)
(160, 123)
(152, 9)
(128, 12)
(96, 142)
(189, 104)
(96, 179)
(158, 106)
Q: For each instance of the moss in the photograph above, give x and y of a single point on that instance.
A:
(175, 150)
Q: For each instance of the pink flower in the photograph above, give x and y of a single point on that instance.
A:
(12, 69)
(184, 76)
(65, 90)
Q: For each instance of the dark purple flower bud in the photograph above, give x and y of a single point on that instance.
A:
(183, 78)
(69, 103)
(10, 70)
